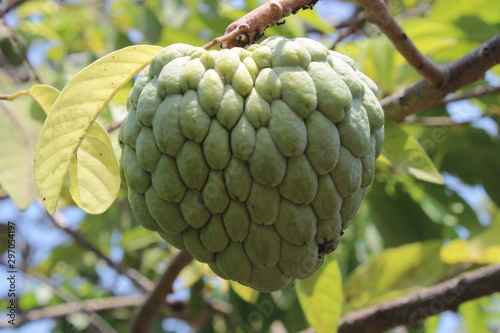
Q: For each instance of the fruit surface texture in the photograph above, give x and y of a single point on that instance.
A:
(254, 160)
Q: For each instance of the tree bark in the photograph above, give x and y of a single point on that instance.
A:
(427, 302)
(423, 95)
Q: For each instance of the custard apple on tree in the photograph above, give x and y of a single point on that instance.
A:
(253, 160)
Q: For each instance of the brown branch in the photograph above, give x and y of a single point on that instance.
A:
(379, 14)
(428, 302)
(249, 28)
(145, 314)
(136, 277)
(358, 22)
(478, 92)
(422, 95)
(436, 121)
(9, 6)
(96, 320)
(114, 126)
(65, 309)
(179, 309)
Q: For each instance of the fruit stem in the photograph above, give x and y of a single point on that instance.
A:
(249, 28)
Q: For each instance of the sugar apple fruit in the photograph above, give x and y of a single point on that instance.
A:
(253, 160)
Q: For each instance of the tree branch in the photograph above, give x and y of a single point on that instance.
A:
(9, 6)
(423, 95)
(179, 309)
(61, 310)
(379, 14)
(249, 28)
(428, 302)
(96, 320)
(358, 21)
(145, 314)
(478, 92)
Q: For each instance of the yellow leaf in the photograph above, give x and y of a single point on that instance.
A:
(43, 94)
(321, 297)
(390, 274)
(247, 294)
(74, 112)
(481, 249)
(95, 172)
(18, 135)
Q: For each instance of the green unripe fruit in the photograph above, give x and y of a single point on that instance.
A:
(252, 160)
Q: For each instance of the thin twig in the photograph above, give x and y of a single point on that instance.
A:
(427, 302)
(379, 14)
(357, 23)
(61, 310)
(136, 277)
(249, 28)
(482, 91)
(177, 309)
(435, 121)
(478, 92)
(96, 320)
(114, 126)
(423, 95)
(24, 49)
(145, 314)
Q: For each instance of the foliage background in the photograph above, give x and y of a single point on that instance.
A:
(414, 229)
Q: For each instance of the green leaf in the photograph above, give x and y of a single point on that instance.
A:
(457, 210)
(247, 294)
(312, 18)
(191, 274)
(481, 249)
(431, 324)
(474, 316)
(442, 11)
(74, 112)
(125, 14)
(393, 273)
(153, 27)
(321, 296)
(30, 8)
(407, 155)
(137, 238)
(481, 149)
(18, 135)
(398, 217)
